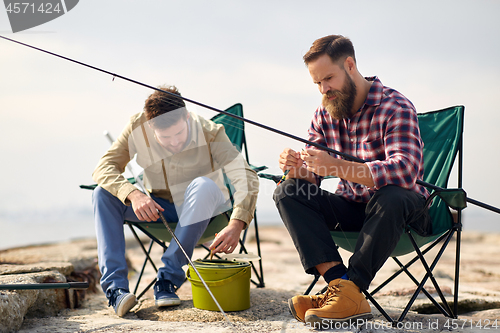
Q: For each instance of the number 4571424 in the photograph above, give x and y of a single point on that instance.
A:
(485, 324)
(27, 7)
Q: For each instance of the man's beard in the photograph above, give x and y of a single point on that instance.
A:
(341, 107)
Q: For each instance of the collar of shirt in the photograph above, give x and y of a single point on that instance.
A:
(375, 93)
(373, 98)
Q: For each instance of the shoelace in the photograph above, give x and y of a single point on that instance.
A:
(164, 285)
(113, 297)
(317, 300)
(330, 294)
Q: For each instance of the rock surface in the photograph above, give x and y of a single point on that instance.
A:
(15, 304)
(42, 264)
(284, 277)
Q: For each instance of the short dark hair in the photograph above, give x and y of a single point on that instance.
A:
(159, 103)
(337, 47)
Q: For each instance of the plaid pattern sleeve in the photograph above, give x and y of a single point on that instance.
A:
(385, 133)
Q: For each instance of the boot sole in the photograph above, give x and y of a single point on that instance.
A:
(319, 322)
(126, 304)
(292, 310)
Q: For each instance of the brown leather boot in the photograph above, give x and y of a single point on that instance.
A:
(343, 301)
(301, 303)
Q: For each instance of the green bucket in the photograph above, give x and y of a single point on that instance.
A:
(229, 282)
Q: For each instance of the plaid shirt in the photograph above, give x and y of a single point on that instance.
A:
(384, 132)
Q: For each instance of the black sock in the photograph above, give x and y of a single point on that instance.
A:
(336, 272)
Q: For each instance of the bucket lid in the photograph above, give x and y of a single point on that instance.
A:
(219, 263)
(240, 256)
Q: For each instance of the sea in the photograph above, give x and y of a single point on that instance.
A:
(36, 228)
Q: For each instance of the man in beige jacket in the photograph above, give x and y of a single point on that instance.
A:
(185, 158)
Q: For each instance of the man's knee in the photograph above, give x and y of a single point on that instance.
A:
(204, 189)
(295, 188)
(400, 203)
(203, 185)
(391, 195)
(100, 195)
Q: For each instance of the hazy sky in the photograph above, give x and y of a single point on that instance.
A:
(437, 53)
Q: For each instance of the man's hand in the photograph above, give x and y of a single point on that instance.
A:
(323, 164)
(319, 162)
(227, 239)
(290, 159)
(145, 208)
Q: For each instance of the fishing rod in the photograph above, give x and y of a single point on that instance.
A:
(50, 285)
(291, 136)
(188, 100)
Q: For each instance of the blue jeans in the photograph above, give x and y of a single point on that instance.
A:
(202, 198)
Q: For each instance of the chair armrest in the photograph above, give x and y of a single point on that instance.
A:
(257, 169)
(277, 178)
(93, 186)
(274, 178)
(455, 198)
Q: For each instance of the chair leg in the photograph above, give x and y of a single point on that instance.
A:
(408, 264)
(379, 308)
(429, 296)
(257, 240)
(457, 270)
(147, 259)
(429, 274)
(260, 273)
(313, 283)
(147, 288)
(430, 269)
(143, 268)
(259, 284)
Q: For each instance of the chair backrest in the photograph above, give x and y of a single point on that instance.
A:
(235, 128)
(441, 132)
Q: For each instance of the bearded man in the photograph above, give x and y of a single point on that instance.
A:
(379, 198)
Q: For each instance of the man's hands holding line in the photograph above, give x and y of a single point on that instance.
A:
(308, 162)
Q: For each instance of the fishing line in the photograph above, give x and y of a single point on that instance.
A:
(291, 136)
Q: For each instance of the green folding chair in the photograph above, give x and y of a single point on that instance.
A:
(441, 132)
(158, 233)
(235, 130)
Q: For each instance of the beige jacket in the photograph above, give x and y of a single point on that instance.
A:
(209, 153)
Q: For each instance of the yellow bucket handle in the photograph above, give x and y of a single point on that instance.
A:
(218, 283)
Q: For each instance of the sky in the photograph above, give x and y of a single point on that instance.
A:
(54, 112)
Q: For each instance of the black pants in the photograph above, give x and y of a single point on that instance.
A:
(309, 214)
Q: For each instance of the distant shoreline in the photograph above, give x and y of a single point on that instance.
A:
(41, 233)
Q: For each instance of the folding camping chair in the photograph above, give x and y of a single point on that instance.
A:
(441, 132)
(158, 233)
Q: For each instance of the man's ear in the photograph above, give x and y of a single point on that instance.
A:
(350, 65)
